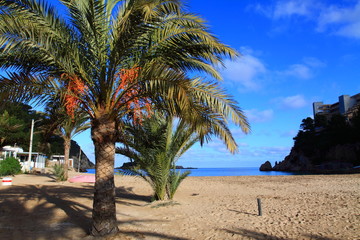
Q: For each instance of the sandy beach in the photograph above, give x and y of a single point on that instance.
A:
(319, 207)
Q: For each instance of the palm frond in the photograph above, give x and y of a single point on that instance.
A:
(175, 178)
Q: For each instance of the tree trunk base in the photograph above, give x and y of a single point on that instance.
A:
(103, 230)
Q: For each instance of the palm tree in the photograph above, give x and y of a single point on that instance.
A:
(154, 147)
(112, 59)
(68, 129)
(59, 123)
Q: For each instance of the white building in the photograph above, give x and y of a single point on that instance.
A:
(345, 106)
(37, 159)
(59, 159)
(9, 151)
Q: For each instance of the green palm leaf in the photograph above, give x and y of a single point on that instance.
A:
(93, 42)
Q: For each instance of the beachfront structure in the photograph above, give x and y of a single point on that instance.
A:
(60, 159)
(346, 106)
(37, 159)
(9, 151)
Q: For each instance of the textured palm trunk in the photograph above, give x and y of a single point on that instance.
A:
(67, 144)
(103, 133)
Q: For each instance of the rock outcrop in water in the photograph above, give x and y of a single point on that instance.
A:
(266, 166)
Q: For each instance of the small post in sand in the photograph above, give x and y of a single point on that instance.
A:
(259, 206)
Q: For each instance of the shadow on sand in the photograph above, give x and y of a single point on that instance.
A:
(59, 212)
(249, 234)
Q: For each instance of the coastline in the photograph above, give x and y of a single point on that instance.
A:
(209, 172)
(294, 207)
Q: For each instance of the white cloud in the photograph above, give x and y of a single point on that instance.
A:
(272, 153)
(291, 102)
(237, 132)
(217, 145)
(340, 19)
(314, 62)
(303, 70)
(242, 144)
(278, 151)
(298, 70)
(290, 8)
(246, 71)
(256, 116)
(262, 9)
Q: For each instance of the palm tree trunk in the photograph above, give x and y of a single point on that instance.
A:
(67, 142)
(103, 133)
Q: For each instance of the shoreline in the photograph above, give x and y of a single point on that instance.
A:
(217, 207)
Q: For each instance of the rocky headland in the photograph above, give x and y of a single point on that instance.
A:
(324, 145)
(338, 159)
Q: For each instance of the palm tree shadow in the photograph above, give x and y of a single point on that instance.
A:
(60, 212)
(263, 236)
(142, 234)
(128, 194)
(77, 212)
(252, 234)
(242, 212)
(32, 212)
(316, 237)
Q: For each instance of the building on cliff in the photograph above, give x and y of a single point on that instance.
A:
(346, 106)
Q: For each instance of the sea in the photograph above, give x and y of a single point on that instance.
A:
(212, 172)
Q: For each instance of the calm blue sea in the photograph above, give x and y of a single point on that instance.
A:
(211, 172)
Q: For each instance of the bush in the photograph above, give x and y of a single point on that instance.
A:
(9, 166)
(58, 171)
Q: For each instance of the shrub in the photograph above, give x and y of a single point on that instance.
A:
(9, 166)
(58, 171)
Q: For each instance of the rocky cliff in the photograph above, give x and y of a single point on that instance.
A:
(85, 163)
(325, 144)
(340, 157)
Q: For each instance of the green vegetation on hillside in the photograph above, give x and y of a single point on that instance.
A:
(318, 136)
(15, 124)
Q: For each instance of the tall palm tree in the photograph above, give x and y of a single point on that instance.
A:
(59, 123)
(112, 59)
(68, 129)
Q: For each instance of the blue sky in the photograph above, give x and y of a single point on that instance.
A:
(293, 54)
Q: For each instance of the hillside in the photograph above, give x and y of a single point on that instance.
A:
(324, 145)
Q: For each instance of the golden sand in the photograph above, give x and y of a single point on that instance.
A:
(319, 207)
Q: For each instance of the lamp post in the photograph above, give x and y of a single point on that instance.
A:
(79, 160)
(31, 143)
(30, 146)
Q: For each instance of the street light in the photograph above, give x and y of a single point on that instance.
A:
(31, 143)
